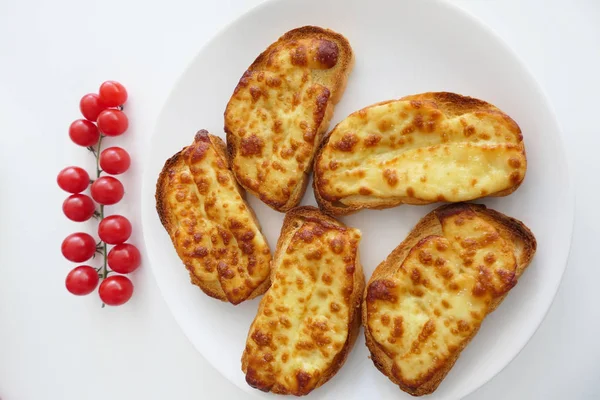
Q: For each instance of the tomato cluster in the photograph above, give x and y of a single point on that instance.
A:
(104, 116)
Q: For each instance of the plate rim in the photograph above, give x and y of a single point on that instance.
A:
(482, 25)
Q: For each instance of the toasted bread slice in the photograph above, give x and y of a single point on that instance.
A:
(214, 231)
(308, 320)
(418, 150)
(280, 110)
(427, 300)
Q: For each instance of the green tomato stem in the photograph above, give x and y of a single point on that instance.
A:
(103, 248)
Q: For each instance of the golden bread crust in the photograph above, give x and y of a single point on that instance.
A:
(419, 149)
(416, 348)
(280, 110)
(309, 319)
(213, 229)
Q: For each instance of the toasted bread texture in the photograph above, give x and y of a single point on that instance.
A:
(427, 300)
(308, 320)
(280, 110)
(214, 231)
(418, 150)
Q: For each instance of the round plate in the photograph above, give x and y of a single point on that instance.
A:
(401, 47)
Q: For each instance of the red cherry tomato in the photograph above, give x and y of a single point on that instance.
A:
(112, 122)
(82, 280)
(91, 106)
(116, 290)
(113, 94)
(84, 133)
(114, 229)
(78, 247)
(124, 258)
(78, 207)
(73, 179)
(107, 190)
(114, 160)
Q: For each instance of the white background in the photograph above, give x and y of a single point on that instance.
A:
(56, 346)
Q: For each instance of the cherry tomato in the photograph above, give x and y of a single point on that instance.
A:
(113, 94)
(84, 133)
(78, 207)
(114, 160)
(82, 280)
(78, 247)
(114, 229)
(112, 122)
(116, 290)
(73, 179)
(107, 190)
(124, 258)
(91, 106)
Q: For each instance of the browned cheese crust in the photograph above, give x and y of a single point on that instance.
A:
(309, 319)
(427, 300)
(213, 229)
(419, 149)
(280, 110)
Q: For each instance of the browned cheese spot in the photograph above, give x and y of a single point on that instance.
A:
(380, 290)
(515, 177)
(398, 329)
(514, 162)
(273, 81)
(385, 320)
(327, 53)
(222, 178)
(262, 339)
(463, 326)
(390, 176)
(334, 307)
(255, 92)
(384, 125)
(337, 244)
(200, 251)
(224, 270)
(425, 257)
(299, 56)
(303, 379)
(372, 140)
(251, 146)
(347, 142)
(185, 178)
(489, 258)
(415, 276)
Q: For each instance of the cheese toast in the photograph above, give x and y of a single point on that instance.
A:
(308, 320)
(214, 231)
(427, 300)
(280, 110)
(418, 150)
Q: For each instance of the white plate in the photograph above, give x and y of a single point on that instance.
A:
(401, 47)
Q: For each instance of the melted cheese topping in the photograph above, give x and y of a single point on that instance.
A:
(423, 314)
(212, 227)
(412, 149)
(276, 116)
(302, 322)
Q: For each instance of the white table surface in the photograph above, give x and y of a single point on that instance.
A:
(56, 346)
